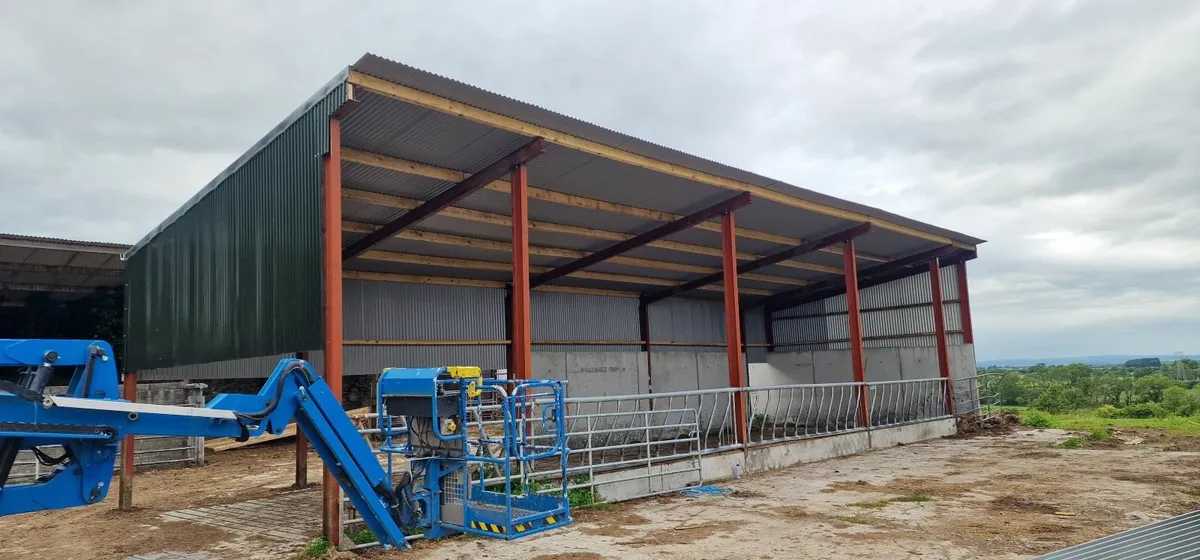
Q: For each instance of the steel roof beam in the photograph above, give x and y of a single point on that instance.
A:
(873, 276)
(723, 207)
(467, 186)
(774, 258)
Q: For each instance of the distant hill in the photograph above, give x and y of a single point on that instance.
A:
(1107, 360)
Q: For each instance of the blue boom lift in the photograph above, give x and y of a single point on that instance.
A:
(445, 473)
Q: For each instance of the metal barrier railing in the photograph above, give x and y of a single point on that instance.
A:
(791, 412)
(895, 403)
(631, 434)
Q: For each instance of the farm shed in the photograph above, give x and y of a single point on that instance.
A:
(381, 223)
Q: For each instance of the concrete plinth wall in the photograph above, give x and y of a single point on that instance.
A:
(634, 483)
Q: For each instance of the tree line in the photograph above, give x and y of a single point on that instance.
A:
(1111, 391)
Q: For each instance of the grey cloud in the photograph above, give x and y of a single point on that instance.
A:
(1013, 121)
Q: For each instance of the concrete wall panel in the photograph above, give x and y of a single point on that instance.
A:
(674, 371)
(599, 374)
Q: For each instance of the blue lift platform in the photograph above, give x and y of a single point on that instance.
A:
(444, 485)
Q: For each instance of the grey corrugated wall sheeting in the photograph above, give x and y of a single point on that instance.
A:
(399, 311)
(687, 320)
(563, 316)
(897, 323)
(755, 333)
(238, 274)
(458, 91)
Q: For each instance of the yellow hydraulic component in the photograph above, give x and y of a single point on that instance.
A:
(464, 372)
(468, 372)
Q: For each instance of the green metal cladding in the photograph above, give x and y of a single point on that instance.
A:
(238, 273)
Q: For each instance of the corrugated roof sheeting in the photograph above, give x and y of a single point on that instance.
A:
(458, 91)
(359, 211)
(385, 126)
(687, 320)
(229, 278)
(562, 316)
(380, 180)
(35, 260)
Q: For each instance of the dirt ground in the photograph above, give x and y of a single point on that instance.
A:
(987, 497)
(102, 531)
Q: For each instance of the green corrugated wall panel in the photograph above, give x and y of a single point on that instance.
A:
(238, 274)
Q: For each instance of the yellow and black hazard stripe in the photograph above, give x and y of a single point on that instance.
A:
(488, 527)
(522, 527)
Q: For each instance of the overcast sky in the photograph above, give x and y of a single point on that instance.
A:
(1064, 133)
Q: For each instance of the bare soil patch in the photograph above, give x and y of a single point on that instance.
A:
(990, 498)
(684, 534)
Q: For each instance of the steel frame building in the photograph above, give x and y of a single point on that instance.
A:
(400, 218)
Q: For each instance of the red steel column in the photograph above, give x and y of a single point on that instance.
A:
(125, 501)
(522, 336)
(939, 327)
(856, 342)
(733, 332)
(964, 303)
(332, 247)
(301, 447)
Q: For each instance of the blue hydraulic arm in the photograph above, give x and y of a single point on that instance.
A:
(89, 420)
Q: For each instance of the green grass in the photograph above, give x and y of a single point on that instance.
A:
(871, 505)
(316, 548)
(879, 504)
(1070, 443)
(1088, 422)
